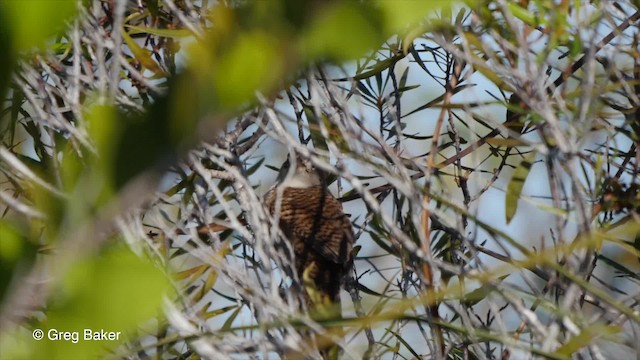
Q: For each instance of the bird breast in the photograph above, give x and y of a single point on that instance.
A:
(312, 217)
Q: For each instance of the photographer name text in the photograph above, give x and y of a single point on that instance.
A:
(76, 336)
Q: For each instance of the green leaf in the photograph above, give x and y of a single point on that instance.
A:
(405, 343)
(252, 169)
(140, 54)
(382, 243)
(368, 291)
(217, 312)
(475, 296)
(227, 324)
(191, 273)
(208, 284)
(171, 33)
(509, 142)
(516, 184)
(620, 268)
(379, 67)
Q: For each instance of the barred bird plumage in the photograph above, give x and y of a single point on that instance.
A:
(321, 235)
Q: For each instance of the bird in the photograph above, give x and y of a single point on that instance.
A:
(320, 233)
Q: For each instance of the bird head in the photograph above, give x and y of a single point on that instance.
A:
(304, 175)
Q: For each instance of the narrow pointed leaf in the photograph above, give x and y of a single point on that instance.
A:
(516, 184)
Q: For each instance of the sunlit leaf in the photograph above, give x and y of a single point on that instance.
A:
(523, 14)
(217, 312)
(191, 273)
(516, 184)
(509, 142)
(586, 337)
(227, 324)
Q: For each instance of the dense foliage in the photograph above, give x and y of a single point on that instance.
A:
(487, 153)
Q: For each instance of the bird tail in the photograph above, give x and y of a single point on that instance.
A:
(323, 303)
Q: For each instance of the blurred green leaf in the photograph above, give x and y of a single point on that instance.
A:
(253, 63)
(32, 22)
(88, 178)
(400, 15)
(523, 14)
(7, 60)
(103, 126)
(114, 291)
(342, 32)
(16, 253)
(475, 296)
